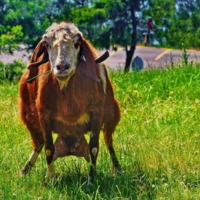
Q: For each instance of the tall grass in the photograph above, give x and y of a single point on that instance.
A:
(157, 143)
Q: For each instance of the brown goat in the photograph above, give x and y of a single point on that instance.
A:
(73, 96)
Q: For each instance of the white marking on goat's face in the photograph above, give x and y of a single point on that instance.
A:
(63, 41)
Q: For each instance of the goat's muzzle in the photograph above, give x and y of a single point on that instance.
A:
(63, 72)
(61, 67)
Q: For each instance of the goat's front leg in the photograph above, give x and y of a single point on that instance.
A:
(31, 161)
(46, 124)
(93, 150)
(94, 144)
(49, 151)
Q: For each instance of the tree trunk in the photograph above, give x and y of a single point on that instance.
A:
(129, 56)
(130, 52)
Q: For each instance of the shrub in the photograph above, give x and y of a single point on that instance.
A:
(11, 72)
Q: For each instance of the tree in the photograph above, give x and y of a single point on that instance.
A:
(123, 25)
(106, 23)
(9, 34)
(112, 23)
(178, 22)
(23, 22)
(162, 13)
(9, 38)
(184, 31)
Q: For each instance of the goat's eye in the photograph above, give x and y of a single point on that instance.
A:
(78, 37)
(77, 44)
(47, 45)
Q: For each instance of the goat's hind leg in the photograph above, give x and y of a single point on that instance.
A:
(108, 130)
(109, 143)
(38, 143)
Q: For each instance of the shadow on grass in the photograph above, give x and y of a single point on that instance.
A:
(129, 184)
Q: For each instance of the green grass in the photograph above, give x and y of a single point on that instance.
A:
(157, 143)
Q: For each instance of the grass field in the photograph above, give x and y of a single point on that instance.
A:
(157, 143)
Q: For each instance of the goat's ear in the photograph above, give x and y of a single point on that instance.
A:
(34, 63)
(39, 50)
(87, 57)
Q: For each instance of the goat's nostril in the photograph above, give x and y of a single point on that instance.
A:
(63, 67)
(59, 67)
(67, 66)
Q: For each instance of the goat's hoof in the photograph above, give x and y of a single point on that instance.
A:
(51, 175)
(116, 170)
(25, 170)
(22, 172)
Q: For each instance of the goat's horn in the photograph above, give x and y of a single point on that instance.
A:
(102, 57)
(36, 64)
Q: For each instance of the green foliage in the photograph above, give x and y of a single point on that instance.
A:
(157, 143)
(23, 22)
(162, 12)
(111, 23)
(184, 57)
(179, 28)
(113, 19)
(9, 37)
(11, 72)
(185, 30)
(104, 22)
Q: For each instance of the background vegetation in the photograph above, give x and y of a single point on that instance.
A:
(157, 143)
(176, 23)
(11, 72)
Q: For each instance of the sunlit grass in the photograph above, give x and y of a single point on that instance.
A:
(157, 143)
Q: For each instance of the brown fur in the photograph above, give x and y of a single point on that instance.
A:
(69, 145)
(45, 108)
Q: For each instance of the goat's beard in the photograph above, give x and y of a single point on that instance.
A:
(64, 79)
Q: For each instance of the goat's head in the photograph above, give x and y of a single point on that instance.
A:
(63, 46)
(63, 42)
